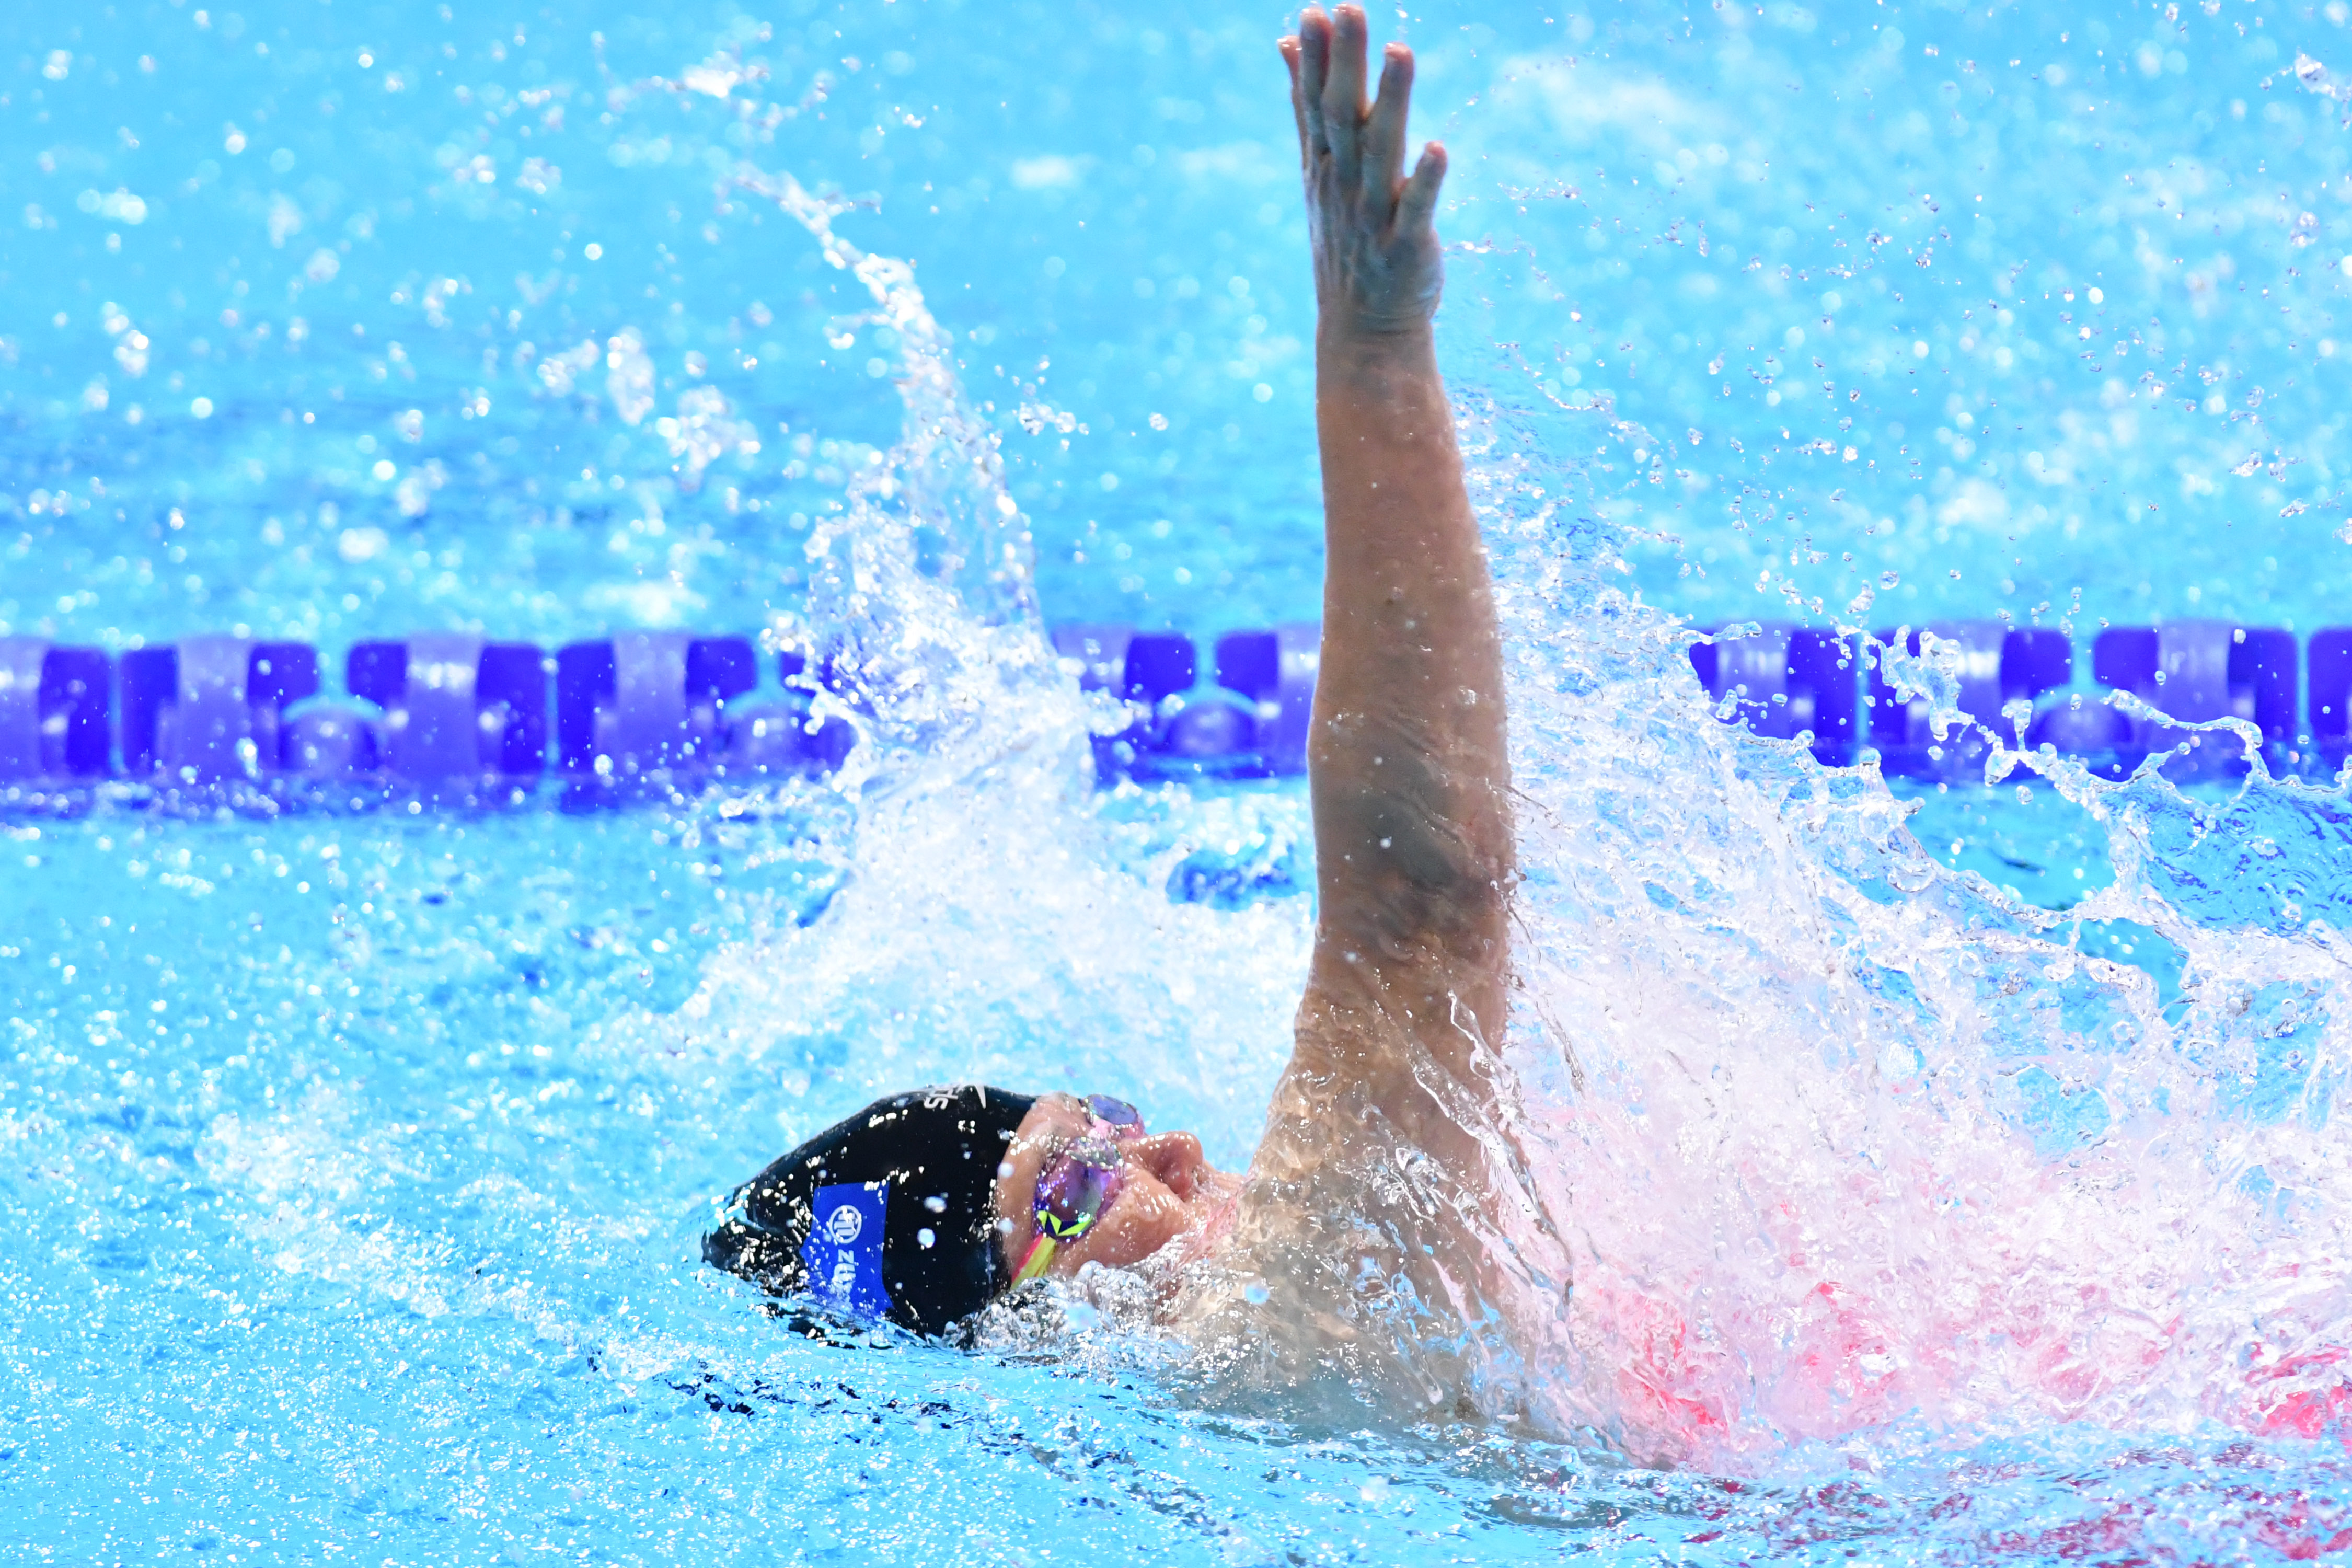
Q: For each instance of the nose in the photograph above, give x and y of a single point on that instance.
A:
(1174, 1159)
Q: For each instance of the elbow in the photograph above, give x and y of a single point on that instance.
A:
(1427, 874)
(1414, 834)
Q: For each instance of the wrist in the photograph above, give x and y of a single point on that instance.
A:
(1342, 344)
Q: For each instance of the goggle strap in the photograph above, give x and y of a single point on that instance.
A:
(1041, 1254)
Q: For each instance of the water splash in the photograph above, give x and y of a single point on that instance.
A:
(1848, 1142)
(1841, 1142)
(994, 923)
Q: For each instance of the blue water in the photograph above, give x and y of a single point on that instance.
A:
(1944, 1186)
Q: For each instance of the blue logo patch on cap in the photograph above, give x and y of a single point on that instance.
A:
(842, 1253)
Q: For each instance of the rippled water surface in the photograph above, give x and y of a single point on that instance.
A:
(1946, 1173)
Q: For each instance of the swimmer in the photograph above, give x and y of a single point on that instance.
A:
(1382, 1151)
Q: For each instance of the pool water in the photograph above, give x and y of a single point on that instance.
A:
(1944, 1170)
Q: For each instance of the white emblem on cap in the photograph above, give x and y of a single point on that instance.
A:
(843, 1225)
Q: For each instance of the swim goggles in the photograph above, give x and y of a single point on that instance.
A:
(1080, 1181)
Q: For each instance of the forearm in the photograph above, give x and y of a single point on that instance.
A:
(1408, 611)
(1410, 766)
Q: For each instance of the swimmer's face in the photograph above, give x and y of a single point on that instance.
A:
(1158, 1197)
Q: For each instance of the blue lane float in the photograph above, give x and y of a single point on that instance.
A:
(462, 719)
(667, 711)
(1787, 681)
(209, 711)
(1784, 681)
(2329, 664)
(54, 703)
(643, 705)
(783, 737)
(445, 719)
(2195, 671)
(1997, 666)
(1174, 730)
(1275, 670)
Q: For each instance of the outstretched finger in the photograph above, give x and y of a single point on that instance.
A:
(1343, 95)
(1314, 69)
(1289, 47)
(1385, 132)
(1419, 202)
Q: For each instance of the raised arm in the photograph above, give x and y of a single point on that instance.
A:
(1408, 768)
(1361, 1245)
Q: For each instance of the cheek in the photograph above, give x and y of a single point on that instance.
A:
(1146, 1217)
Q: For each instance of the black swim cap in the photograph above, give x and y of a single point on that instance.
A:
(890, 1213)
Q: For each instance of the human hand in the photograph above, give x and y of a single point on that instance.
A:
(1377, 266)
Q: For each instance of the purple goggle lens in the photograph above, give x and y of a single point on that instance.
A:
(1118, 1117)
(1080, 1181)
(1078, 1184)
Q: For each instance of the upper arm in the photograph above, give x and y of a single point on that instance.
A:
(1409, 760)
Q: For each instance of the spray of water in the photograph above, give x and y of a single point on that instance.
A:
(1846, 1141)
(1837, 1139)
(993, 925)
